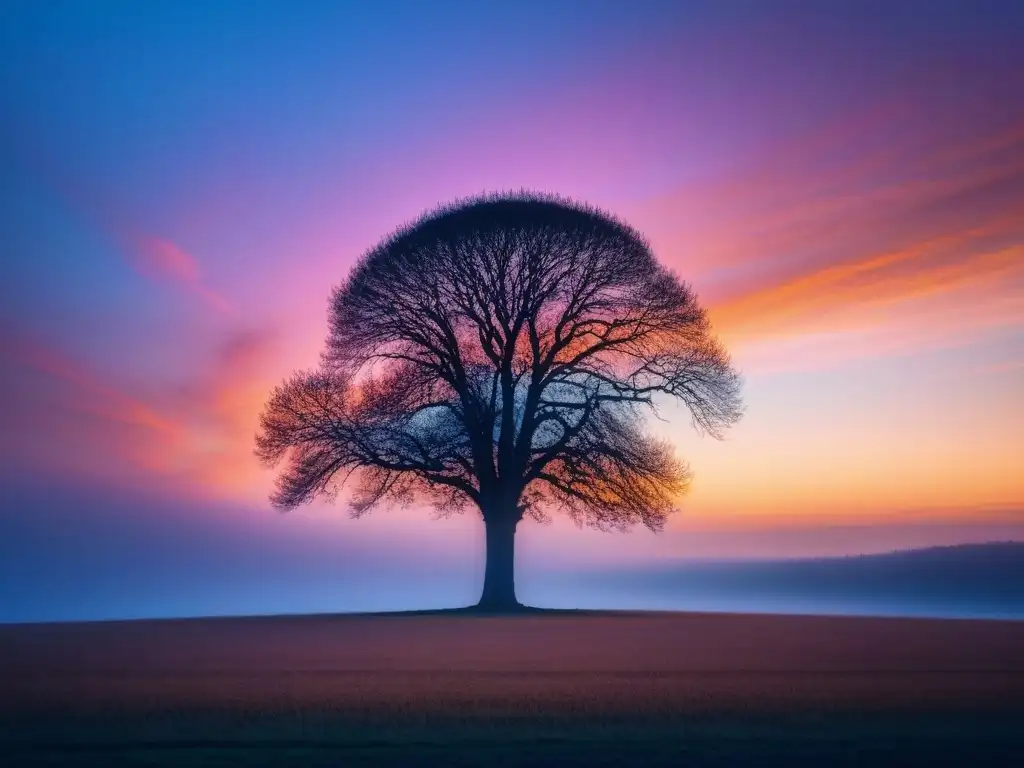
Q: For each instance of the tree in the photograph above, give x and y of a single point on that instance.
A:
(501, 353)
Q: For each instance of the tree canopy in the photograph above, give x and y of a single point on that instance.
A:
(504, 352)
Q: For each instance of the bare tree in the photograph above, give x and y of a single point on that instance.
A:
(501, 353)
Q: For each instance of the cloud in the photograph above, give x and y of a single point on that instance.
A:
(245, 349)
(162, 260)
(64, 415)
(218, 408)
(827, 243)
(93, 394)
(63, 418)
(1009, 365)
(156, 258)
(838, 294)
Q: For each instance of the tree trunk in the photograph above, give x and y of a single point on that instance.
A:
(499, 593)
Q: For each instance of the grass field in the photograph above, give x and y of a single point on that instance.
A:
(573, 688)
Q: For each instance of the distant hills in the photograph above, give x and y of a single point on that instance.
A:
(963, 580)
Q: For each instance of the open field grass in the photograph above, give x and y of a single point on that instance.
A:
(561, 687)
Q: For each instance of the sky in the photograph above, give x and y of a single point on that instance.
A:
(183, 184)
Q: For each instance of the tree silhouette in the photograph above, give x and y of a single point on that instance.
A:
(501, 353)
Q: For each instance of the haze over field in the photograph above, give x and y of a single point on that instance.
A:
(183, 184)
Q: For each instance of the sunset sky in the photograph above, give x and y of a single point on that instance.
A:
(182, 184)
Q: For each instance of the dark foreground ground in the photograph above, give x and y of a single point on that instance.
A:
(538, 689)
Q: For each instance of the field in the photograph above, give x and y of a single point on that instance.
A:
(567, 688)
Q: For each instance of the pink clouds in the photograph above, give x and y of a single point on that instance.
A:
(63, 419)
(93, 394)
(162, 260)
(194, 440)
(844, 245)
(837, 295)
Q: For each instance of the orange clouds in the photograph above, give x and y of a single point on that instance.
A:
(227, 409)
(93, 394)
(828, 240)
(834, 263)
(822, 299)
(195, 439)
(64, 418)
